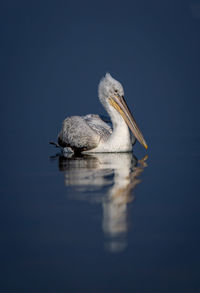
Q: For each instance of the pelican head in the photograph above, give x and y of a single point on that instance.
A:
(111, 93)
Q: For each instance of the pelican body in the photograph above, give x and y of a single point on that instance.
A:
(93, 133)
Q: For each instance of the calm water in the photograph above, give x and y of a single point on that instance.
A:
(100, 223)
(103, 223)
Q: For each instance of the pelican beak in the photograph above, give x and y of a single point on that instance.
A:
(119, 103)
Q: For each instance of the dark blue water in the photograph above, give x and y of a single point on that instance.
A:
(100, 223)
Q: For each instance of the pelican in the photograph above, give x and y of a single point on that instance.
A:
(93, 133)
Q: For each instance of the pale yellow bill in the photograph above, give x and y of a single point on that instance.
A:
(120, 105)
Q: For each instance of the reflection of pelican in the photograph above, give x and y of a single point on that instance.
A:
(115, 204)
(118, 174)
(91, 133)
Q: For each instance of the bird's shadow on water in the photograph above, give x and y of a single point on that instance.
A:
(108, 179)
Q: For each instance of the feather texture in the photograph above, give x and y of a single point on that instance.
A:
(82, 133)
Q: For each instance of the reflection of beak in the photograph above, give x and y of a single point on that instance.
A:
(120, 105)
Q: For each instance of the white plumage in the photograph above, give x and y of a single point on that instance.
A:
(92, 133)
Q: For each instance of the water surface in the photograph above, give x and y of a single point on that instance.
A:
(111, 222)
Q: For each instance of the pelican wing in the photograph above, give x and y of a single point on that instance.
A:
(99, 125)
(103, 126)
(77, 134)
